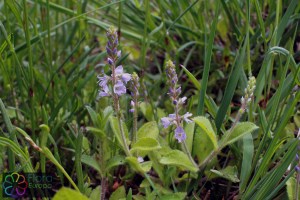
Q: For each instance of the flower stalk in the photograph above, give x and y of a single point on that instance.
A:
(245, 102)
(118, 80)
(134, 104)
(176, 118)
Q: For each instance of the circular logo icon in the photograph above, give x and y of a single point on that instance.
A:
(15, 185)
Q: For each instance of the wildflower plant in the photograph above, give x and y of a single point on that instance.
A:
(117, 80)
(137, 148)
(175, 118)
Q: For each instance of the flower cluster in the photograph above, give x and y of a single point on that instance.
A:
(118, 78)
(248, 94)
(174, 93)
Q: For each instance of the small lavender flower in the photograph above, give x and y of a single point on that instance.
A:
(174, 92)
(180, 134)
(140, 159)
(186, 117)
(104, 92)
(119, 88)
(125, 77)
(168, 121)
(132, 106)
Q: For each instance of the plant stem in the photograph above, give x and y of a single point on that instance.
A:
(123, 136)
(135, 117)
(189, 154)
(209, 158)
(297, 186)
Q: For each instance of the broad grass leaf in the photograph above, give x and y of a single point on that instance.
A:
(238, 132)
(149, 130)
(179, 159)
(192, 78)
(230, 173)
(248, 152)
(69, 194)
(145, 144)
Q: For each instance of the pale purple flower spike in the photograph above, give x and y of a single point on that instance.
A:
(118, 78)
(174, 92)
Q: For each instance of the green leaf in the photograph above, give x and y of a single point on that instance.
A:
(189, 130)
(50, 156)
(86, 145)
(114, 124)
(98, 132)
(231, 84)
(290, 187)
(96, 193)
(192, 78)
(68, 194)
(174, 196)
(145, 144)
(248, 151)
(96, 118)
(230, 173)
(179, 159)
(140, 167)
(207, 60)
(149, 130)
(129, 195)
(207, 129)
(120, 193)
(91, 161)
(147, 111)
(239, 131)
(115, 161)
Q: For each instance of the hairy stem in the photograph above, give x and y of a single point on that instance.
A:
(126, 148)
(189, 154)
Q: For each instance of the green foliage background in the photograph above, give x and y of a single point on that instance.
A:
(52, 51)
